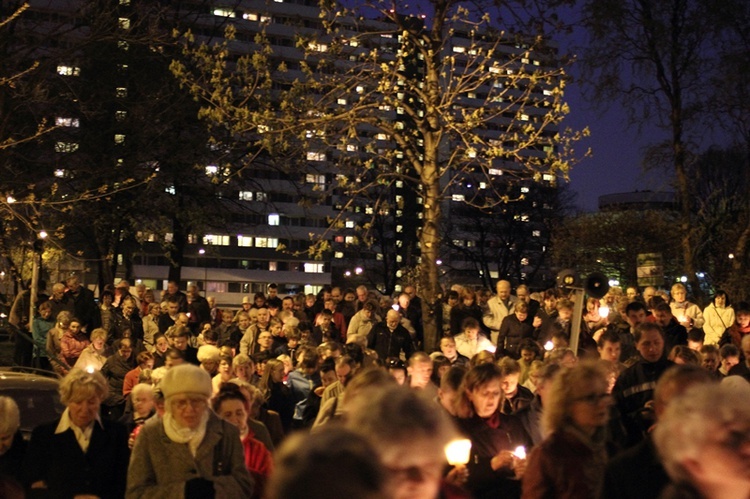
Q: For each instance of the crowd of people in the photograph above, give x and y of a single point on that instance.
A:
(340, 394)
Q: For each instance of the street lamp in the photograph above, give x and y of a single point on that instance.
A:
(202, 252)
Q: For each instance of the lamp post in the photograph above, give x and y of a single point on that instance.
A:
(36, 263)
(202, 252)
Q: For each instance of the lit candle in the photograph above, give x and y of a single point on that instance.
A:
(458, 451)
(549, 346)
(520, 452)
(603, 311)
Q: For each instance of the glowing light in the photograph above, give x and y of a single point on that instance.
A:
(458, 452)
(549, 346)
(43, 235)
(358, 270)
(520, 452)
(603, 311)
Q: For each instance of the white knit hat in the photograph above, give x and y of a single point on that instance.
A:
(186, 378)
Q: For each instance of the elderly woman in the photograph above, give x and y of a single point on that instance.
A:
(703, 440)
(95, 355)
(78, 454)
(12, 449)
(190, 452)
(718, 316)
(685, 311)
(494, 470)
(570, 462)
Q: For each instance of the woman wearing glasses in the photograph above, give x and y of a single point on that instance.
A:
(190, 452)
(570, 462)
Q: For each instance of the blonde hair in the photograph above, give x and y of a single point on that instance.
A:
(565, 388)
(10, 417)
(80, 385)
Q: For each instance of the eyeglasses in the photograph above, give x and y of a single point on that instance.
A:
(593, 399)
(195, 404)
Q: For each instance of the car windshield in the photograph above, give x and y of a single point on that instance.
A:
(36, 406)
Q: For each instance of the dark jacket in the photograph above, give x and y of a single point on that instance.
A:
(633, 389)
(512, 332)
(115, 370)
(636, 472)
(487, 442)
(85, 308)
(390, 344)
(58, 460)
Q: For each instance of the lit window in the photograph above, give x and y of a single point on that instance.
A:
(212, 170)
(273, 219)
(170, 190)
(273, 266)
(60, 173)
(495, 171)
(224, 12)
(352, 147)
(250, 16)
(318, 47)
(124, 23)
(316, 156)
(261, 196)
(266, 242)
(399, 228)
(360, 89)
(457, 197)
(125, 2)
(524, 117)
(471, 95)
(353, 43)
(350, 240)
(123, 45)
(369, 210)
(547, 92)
(471, 244)
(68, 70)
(66, 146)
(472, 153)
(313, 178)
(525, 60)
(547, 177)
(524, 189)
(119, 138)
(265, 19)
(459, 50)
(349, 224)
(246, 195)
(338, 254)
(341, 101)
(314, 268)
(216, 240)
(536, 233)
(494, 69)
(482, 185)
(524, 261)
(120, 115)
(244, 241)
(67, 122)
(121, 92)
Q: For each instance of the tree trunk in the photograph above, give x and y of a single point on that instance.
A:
(429, 239)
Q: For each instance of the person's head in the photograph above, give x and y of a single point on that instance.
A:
(648, 293)
(729, 356)
(529, 350)
(186, 389)
(523, 294)
(174, 357)
(154, 309)
(161, 344)
(450, 384)
(173, 287)
(609, 346)
(674, 382)
(173, 306)
(453, 298)
(522, 310)
(511, 370)
(695, 339)
(124, 347)
(82, 392)
(145, 360)
(333, 462)
(721, 299)
(58, 291)
(420, 369)
(45, 309)
(592, 304)
(663, 314)
(503, 289)
(703, 439)
(409, 436)
(264, 316)
(678, 293)
(345, 368)
(631, 293)
(74, 283)
(232, 406)
(710, 357)
(483, 357)
(481, 392)
(468, 297)
(242, 366)
(265, 340)
(328, 372)
(564, 309)
(397, 369)
(578, 396)
(403, 300)
(10, 421)
(208, 356)
(273, 373)
(742, 314)
(180, 338)
(392, 319)
(635, 313)
(649, 341)
(142, 399)
(470, 327)
(681, 354)
(543, 376)
(98, 338)
(549, 299)
(448, 347)
(362, 293)
(63, 319)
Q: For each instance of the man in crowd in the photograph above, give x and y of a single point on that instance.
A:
(498, 307)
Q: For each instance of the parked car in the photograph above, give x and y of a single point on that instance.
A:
(35, 392)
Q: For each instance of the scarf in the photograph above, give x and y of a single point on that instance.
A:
(180, 435)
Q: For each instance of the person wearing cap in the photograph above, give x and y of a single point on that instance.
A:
(189, 452)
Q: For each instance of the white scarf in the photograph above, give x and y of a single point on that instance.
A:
(180, 435)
